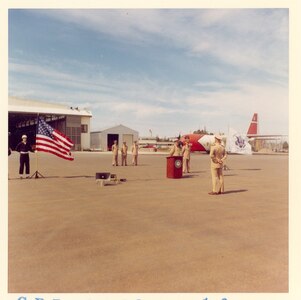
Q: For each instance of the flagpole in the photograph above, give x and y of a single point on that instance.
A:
(37, 158)
(37, 174)
(35, 150)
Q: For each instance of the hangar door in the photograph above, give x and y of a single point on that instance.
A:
(111, 139)
(128, 138)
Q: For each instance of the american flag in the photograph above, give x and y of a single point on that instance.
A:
(52, 141)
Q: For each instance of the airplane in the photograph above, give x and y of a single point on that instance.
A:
(253, 131)
(194, 141)
(236, 143)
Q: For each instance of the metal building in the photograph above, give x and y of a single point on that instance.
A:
(72, 121)
(104, 139)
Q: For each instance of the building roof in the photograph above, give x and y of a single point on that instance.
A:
(116, 128)
(18, 105)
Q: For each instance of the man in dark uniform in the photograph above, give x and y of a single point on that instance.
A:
(9, 148)
(24, 148)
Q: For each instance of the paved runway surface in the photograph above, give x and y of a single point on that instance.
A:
(150, 233)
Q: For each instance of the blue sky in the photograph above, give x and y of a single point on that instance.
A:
(169, 70)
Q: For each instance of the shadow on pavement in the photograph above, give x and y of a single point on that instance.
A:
(75, 176)
(47, 177)
(250, 169)
(188, 176)
(235, 191)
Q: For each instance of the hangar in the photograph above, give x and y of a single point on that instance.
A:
(72, 121)
(103, 140)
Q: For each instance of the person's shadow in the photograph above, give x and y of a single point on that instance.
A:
(234, 191)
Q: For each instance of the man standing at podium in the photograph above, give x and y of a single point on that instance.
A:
(176, 149)
(174, 161)
(217, 155)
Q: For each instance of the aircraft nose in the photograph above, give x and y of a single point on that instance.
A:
(205, 141)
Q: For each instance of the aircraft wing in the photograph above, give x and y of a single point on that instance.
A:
(266, 136)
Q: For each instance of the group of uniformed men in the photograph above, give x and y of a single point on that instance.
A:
(217, 155)
(124, 153)
(182, 149)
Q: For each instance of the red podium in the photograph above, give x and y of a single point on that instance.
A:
(174, 167)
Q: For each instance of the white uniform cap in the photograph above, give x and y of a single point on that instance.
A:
(217, 136)
(24, 136)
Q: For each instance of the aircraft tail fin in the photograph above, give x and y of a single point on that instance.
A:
(253, 125)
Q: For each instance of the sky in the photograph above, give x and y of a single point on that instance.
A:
(171, 71)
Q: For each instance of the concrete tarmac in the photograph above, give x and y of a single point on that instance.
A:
(150, 233)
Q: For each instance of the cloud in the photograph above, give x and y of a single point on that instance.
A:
(243, 55)
(94, 87)
(244, 38)
(135, 100)
(140, 110)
